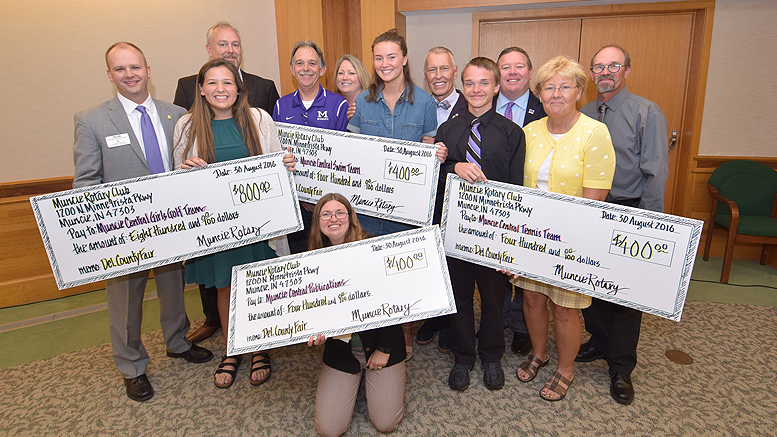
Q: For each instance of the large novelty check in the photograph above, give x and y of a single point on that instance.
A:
(381, 177)
(632, 257)
(338, 290)
(103, 231)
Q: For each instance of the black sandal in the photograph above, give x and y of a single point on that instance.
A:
(228, 368)
(260, 364)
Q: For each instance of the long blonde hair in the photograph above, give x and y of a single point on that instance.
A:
(201, 116)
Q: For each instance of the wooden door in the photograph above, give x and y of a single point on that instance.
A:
(542, 39)
(659, 47)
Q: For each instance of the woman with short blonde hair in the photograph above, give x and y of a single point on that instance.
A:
(570, 153)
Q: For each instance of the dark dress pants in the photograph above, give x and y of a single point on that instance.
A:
(614, 332)
(492, 287)
(614, 328)
(210, 307)
(512, 314)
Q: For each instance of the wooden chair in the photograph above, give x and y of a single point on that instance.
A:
(744, 202)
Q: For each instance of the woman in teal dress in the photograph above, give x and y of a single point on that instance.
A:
(221, 127)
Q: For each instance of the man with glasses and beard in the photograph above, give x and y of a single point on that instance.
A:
(639, 135)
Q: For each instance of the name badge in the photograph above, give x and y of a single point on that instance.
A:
(117, 140)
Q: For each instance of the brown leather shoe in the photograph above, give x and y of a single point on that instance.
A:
(139, 388)
(202, 333)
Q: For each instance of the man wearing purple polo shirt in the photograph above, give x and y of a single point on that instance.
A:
(311, 105)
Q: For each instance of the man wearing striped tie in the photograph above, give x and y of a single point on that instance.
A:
(482, 145)
(520, 106)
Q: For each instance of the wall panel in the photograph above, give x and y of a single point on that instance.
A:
(60, 49)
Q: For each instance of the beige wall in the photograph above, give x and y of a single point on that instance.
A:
(54, 65)
(426, 30)
(59, 47)
(740, 111)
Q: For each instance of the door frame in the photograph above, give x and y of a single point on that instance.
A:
(696, 81)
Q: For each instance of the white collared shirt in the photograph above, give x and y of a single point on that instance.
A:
(519, 110)
(443, 114)
(133, 115)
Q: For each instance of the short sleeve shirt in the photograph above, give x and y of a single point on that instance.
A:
(328, 111)
(583, 157)
(409, 122)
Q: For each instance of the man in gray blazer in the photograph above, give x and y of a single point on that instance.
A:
(108, 148)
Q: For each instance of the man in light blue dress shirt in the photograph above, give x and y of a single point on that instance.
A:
(519, 105)
(440, 72)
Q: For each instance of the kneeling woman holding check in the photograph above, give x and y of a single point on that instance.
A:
(378, 353)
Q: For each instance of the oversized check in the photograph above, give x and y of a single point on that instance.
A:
(632, 257)
(338, 290)
(103, 231)
(381, 177)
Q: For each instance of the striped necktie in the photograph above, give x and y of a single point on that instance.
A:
(444, 104)
(150, 143)
(473, 144)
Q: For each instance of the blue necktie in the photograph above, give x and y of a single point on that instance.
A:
(150, 143)
(473, 149)
(444, 104)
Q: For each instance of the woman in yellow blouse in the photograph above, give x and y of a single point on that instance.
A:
(570, 153)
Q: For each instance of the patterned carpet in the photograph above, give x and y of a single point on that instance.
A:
(727, 391)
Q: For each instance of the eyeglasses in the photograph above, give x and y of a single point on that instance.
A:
(612, 68)
(564, 89)
(326, 216)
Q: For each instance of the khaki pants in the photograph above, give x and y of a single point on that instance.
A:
(336, 397)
